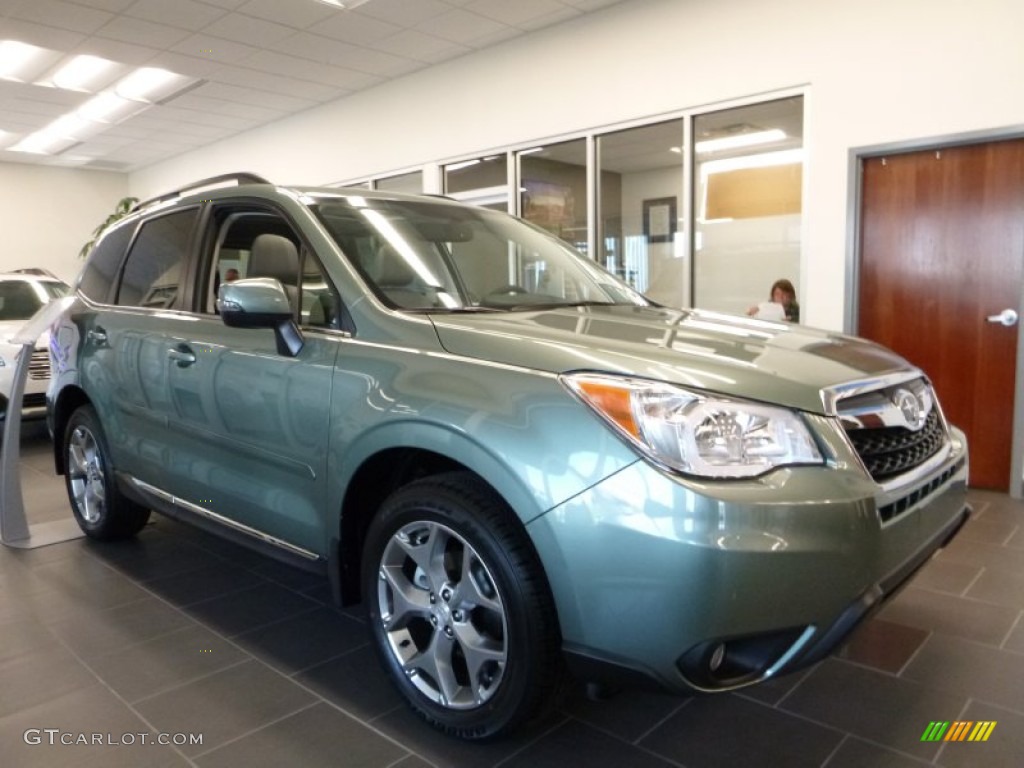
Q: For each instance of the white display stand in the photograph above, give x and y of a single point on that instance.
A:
(14, 529)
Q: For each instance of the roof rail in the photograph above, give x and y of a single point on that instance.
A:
(38, 271)
(242, 177)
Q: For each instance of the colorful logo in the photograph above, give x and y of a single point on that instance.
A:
(959, 730)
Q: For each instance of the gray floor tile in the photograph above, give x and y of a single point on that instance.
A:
(89, 728)
(304, 641)
(1015, 640)
(22, 638)
(970, 670)
(880, 708)
(940, 575)
(576, 743)
(883, 645)
(627, 714)
(856, 753)
(989, 529)
(98, 633)
(33, 680)
(729, 730)
(952, 615)
(978, 553)
(154, 555)
(225, 705)
(444, 752)
(996, 585)
(317, 736)
(250, 608)
(1003, 749)
(204, 584)
(354, 682)
(167, 661)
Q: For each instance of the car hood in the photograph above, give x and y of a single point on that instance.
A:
(743, 357)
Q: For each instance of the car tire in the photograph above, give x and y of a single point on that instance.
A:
(100, 509)
(459, 609)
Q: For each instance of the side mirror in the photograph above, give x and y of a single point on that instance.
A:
(260, 302)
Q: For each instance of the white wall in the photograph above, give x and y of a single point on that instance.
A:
(47, 214)
(876, 71)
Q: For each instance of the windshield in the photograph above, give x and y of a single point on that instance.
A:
(421, 255)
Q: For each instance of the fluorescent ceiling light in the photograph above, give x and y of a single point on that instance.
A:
(347, 5)
(530, 151)
(146, 84)
(42, 143)
(763, 160)
(740, 140)
(81, 72)
(18, 59)
(460, 166)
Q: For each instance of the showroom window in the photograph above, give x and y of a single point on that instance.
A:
(703, 210)
(553, 189)
(402, 182)
(748, 171)
(640, 203)
(481, 181)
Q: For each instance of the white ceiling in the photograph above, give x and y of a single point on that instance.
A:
(255, 61)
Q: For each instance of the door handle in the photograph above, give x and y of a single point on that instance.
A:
(1007, 317)
(97, 336)
(182, 355)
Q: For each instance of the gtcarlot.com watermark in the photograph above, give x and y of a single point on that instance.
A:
(54, 737)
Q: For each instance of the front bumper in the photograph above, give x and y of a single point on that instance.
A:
(711, 585)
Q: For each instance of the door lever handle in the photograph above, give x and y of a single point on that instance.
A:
(97, 336)
(1007, 317)
(182, 355)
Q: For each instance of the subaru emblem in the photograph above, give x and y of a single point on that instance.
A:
(910, 406)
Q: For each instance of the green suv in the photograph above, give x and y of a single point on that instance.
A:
(519, 465)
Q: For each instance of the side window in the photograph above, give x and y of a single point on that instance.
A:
(152, 274)
(259, 243)
(18, 300)
(100, 270)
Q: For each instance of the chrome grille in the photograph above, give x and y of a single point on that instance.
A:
(890, 451)
(39, 364)
(895, 428)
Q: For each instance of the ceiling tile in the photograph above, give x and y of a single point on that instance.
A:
(293, 14)
(403, 13)
(190, 66)
(356, 29)
(217, 108)
(214, 48)
(141, 32)
(114, 6)
(419, 46)
(116, 50)
(244, 95)
(246, 29)
(264, 81)
(41, 35)
(515, 14)
(186, 14)
(462, 26)
(57, 13)
(377, 63)
(549, 19)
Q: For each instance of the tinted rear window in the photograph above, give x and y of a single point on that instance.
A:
(97, 278)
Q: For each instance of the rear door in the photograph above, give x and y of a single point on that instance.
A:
(124, 364)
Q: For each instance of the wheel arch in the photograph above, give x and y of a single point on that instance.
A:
(68, 401)
(396, 455)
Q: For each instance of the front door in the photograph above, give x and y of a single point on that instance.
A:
(942, 248)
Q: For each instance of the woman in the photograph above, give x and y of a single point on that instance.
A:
(782, 293)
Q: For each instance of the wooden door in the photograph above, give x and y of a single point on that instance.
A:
(942, 247)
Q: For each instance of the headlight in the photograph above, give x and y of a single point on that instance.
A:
(697, 433)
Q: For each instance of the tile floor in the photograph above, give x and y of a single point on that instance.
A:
(180, 633)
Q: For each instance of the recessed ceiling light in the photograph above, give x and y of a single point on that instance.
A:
(108, 107)
(81, 72)
(147, 84)
(18, 59)
(740, 140)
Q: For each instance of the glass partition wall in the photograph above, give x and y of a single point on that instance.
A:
(748, 174)
(701, 210)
